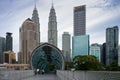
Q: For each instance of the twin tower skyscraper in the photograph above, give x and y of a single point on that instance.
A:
(52, 25)
(30, 34)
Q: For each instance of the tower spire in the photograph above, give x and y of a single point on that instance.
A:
(35, 4)
(52, 4)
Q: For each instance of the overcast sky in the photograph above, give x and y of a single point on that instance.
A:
(100, 14)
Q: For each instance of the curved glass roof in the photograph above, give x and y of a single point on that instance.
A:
(47, 57)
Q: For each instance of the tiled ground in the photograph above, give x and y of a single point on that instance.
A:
(43, 77)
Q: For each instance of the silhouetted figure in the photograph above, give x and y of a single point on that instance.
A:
(35, 71)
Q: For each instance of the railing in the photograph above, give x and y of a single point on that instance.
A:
(15, 75)
(88, 75)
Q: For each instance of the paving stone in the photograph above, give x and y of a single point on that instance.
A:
(43, 77)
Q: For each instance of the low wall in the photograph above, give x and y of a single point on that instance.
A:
(16, 74)
(88, 75)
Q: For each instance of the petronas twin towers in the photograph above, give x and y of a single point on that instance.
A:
(30, 34)
(52, 25)
(35, 18)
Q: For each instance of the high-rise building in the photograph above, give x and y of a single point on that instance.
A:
(9, 41)
(80, 45)
(119, 56)
(103, 54)
(112, 38)
(52, 27)
(2, 48)
(29, 40)
(66, 43)
(80, 20)
(35, 18)
(95, 50)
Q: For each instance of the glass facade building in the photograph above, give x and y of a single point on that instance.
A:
(52, 27)
(9, 42)
(35, 18)
(80, 20)
(2, 48)
(103, 54)
(66, 44)
(119, 57)
(95, 50)
(80, 45)
(112, 38)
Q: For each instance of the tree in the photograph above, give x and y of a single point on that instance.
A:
(87, 62)
(68, 65)
(113, 66)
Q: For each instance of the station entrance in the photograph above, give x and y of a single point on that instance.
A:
(47, 57)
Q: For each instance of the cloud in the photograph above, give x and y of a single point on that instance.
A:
(98, 17)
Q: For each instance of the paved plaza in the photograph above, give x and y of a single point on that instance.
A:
(61, 75)
(43, 77)
(26, 75)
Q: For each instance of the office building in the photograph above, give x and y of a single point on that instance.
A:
(80, 45)
(35, 18)
(103, 54)
(112, 38)
(119, 56)
(2, 48)
(80, 20)
(95, 50)
(9, 57)
(29, 40)
(66, 44)
(52, 27)
(9, 41)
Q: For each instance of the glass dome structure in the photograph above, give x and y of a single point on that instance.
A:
(47, 57)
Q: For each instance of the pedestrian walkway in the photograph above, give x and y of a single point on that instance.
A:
(43, 77)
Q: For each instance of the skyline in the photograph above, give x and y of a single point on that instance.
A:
(14, 13)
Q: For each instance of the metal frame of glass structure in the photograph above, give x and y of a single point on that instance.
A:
(45, 55)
